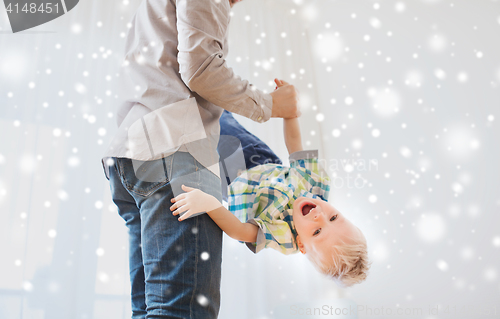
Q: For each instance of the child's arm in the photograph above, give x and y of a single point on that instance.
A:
(232, 226)
(196, 201)
(291, 129)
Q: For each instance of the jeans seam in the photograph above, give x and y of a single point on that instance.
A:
(170, 169)
(121, 174)
(195, 268)
(198, 171)
(152, 190)
(161, 273)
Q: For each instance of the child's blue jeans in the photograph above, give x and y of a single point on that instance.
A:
(233, 136)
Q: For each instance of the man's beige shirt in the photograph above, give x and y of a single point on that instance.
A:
(175, 83)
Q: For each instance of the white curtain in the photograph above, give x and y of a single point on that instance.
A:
(401, 99)
(64, 248)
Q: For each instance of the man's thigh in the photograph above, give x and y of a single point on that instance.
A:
(181, 260)
(129, 211)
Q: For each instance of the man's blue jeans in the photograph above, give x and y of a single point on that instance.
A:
(175, 267)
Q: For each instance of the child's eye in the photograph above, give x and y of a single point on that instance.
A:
(333, 218)
(317, 231)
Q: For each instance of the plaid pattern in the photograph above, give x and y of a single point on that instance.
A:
(264, 196)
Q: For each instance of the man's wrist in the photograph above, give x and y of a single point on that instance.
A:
(266, 105)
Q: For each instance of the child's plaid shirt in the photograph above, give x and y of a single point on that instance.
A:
(264, 196)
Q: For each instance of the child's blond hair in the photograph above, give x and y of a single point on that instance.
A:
(348, 264)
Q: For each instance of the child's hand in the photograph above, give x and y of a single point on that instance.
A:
(279, 83)
(192, 202)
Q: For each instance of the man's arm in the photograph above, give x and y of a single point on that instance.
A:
(202, 27)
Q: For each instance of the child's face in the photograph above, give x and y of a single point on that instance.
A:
(320, 226)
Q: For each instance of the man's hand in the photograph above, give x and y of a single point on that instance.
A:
(285, 100)
(192, 202)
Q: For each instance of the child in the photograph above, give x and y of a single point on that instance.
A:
(285, 208)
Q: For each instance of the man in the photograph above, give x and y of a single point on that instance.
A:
(176, 85)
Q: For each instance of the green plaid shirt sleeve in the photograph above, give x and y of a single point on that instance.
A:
(264, 196)
(315, 179)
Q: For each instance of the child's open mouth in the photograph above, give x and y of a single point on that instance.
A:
(307, 208)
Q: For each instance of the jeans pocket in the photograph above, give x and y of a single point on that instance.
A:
(144, 177)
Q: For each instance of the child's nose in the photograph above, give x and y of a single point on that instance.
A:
(317, 214)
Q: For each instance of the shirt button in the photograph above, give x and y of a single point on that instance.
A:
(259, 118)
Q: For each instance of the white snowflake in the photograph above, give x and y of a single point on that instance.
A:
(431, 228)
(437, 42)
(329, 47)
(386, 101)
(442, 265)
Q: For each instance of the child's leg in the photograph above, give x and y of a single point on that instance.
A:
(256, 152)
(239, 150)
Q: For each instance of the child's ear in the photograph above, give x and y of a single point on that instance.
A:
(300, 245)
